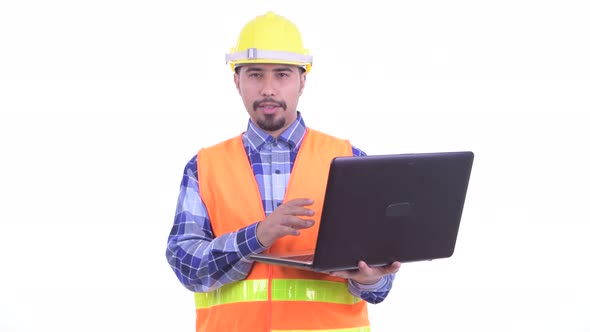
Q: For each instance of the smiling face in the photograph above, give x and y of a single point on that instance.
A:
(270, 93)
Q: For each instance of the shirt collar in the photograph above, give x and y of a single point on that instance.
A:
(256, 137)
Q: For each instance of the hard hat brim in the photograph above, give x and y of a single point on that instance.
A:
(235, 64)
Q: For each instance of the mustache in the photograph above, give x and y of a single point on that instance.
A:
(270, 100)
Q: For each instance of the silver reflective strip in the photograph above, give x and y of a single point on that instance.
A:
(253, 53)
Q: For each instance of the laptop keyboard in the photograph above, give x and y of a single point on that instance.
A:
(301, 258)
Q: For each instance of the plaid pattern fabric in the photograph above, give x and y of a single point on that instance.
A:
(203, 263)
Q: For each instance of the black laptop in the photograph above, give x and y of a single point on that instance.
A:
(386, 208)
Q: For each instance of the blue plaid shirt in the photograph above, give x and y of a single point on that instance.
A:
(202, 262)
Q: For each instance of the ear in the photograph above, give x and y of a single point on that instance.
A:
(302, 82)
(237, 82)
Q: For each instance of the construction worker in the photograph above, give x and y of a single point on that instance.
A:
(263, 190)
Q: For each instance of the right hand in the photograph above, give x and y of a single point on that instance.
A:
(285, 221)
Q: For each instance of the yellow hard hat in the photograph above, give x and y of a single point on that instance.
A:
(269, 38)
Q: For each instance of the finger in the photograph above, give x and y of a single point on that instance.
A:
(291, 230)
(341, 274)
(299, 202)
(285, 230)
(390, 269)
(364, 268)
(394, 267)
(383, 270)
(296, 223)
(298, 211)
(294, 210)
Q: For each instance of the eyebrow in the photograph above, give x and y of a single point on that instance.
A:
(258, 69)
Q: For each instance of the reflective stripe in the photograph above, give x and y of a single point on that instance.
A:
(253, 54)
(240, 291)
(312, 290)
(355, 329)
(282, 290)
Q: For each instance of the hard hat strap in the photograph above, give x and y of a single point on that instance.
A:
(253, 53)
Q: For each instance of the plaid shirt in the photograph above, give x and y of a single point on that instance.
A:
(202, 262)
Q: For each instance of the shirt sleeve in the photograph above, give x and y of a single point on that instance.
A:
(201, 261)
(358, 152)
(377, 292)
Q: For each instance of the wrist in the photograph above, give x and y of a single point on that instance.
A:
(367, 282)
(366, 286)
(259, 237)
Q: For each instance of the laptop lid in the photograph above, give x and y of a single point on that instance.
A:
(381, 209)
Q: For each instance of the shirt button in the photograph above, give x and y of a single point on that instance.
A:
(277, 171)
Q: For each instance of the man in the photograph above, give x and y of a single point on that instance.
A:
(260, 191)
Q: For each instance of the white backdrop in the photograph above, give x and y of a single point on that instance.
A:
(103, 102)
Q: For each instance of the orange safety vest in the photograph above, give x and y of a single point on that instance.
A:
(273, 298)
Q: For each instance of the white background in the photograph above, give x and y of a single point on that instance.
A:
(102, 103)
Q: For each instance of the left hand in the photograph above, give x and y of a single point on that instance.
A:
(368, 275)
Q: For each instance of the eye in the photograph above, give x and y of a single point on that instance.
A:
(254, 75)
(283, 75)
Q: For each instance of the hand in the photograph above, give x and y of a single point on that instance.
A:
(285, 221)
(368, 275)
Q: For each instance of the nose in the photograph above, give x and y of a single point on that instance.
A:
(268, 88)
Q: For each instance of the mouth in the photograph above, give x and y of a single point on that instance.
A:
(269, 106)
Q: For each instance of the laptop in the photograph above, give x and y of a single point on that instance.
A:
(386, 208)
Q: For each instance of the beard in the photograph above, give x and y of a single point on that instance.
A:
(269, 123)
